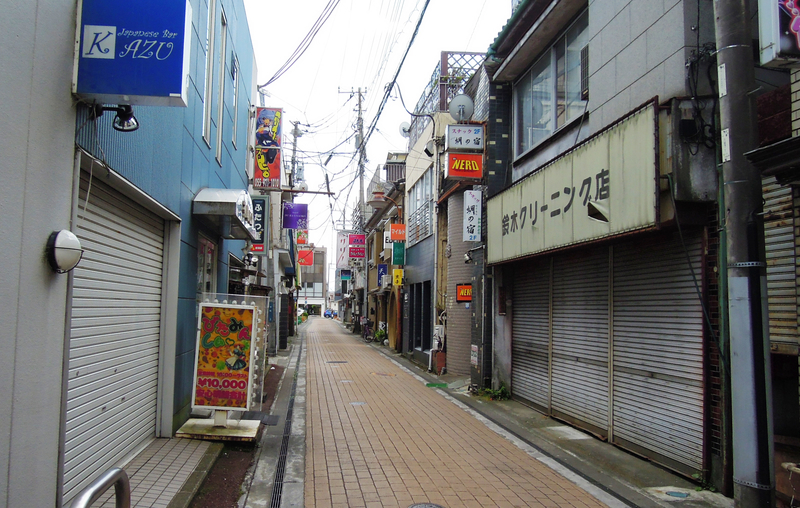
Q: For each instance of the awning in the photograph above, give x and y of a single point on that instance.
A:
(781, 160)
(226, 212)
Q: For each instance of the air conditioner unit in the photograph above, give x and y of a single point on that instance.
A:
(386, 280)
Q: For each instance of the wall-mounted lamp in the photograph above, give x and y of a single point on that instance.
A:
(379, 199)
(250, 260)
(123, 122)
(430, 148)
(63, 250)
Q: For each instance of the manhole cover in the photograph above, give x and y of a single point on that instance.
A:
(358, 403)
(426, 505)
(338, 361)
(383, 374)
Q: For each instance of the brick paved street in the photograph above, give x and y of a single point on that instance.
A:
(378, 437)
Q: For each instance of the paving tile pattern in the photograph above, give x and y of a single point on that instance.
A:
(159, 471)
(378, 437)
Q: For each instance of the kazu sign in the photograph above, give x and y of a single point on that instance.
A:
(133, 52)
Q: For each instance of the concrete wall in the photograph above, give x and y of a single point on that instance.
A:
(639, 49)
(459, 315)
(37, 119)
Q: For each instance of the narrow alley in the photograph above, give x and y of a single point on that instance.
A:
(379, 437)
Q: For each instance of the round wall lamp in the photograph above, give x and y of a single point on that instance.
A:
(63, 250)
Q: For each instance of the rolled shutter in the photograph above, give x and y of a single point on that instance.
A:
(114, 336)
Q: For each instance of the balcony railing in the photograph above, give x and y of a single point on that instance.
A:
(420, 224)
(447, 81)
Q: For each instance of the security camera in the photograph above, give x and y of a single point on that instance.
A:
(467, 257)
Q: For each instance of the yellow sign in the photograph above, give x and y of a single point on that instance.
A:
(604, 187)
(397, 275)
(222, 374)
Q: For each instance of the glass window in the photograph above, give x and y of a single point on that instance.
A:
(554, 92)
(235, 106)
(206, 266)
(223, 36)
(209, 79)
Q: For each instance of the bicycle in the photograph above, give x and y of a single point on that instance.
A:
(366, 331)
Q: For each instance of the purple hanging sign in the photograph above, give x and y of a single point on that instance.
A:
(295, 216)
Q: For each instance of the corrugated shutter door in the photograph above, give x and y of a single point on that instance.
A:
(780, 249)
(530, 334)
(658, 351)
(580, 338)
(115, 334)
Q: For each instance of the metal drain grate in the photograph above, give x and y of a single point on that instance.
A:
(277, 489)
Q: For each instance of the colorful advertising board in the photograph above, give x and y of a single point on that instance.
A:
(267, 171)
(397, 277)
(305, 257)
(358, 252)
(779, 34)
(259, 222)
(346, 274)
(464, 292)
(397, 232)
(133, 52)
(358, 239)
(472, 216)
(295, 215)
(302, 237)
(222, 373)
(399, 253)
(382, 270)
(463, 166)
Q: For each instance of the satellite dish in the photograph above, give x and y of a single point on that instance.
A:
(405, 129)
(461, 108)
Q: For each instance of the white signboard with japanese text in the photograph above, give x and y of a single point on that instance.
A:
(472, 216)
(605, 186)
(464, 137)
(342, 252)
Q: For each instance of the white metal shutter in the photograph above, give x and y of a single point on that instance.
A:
(580, 338)
(530, 342)
(114, 336)
(658, 350)
(780, 248)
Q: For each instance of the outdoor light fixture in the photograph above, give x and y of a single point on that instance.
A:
(63, 250)
(379, 198)
(123, 122)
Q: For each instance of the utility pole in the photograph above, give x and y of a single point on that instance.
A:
(296, 133)
(360, 144)
(751, 397)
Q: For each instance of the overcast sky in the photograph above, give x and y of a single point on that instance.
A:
(360, 46)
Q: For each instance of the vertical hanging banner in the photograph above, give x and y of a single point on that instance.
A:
(397, 277)
(267, 171)
(472, 216)
(302, 237)
(305, 257)
(382, 270)
(222, 374)
(399, 253)
(342, 253)
(295, 216)
(259, 222)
